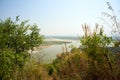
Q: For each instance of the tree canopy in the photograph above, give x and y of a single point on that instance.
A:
(16, 38)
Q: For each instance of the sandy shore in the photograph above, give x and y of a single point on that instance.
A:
(54, 39)
(44, 46)
(49, 45)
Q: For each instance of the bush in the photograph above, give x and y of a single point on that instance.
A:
(31, 71)
(16, 38)
(7, 65)
(101, 61)
(92, 61)
(69, 66)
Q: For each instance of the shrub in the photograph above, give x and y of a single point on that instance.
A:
(32, 71)
(16, 38)
(101, 60)
(92, 61)
(70, 66)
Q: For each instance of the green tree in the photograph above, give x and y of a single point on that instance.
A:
(101, 60)
(16, 38)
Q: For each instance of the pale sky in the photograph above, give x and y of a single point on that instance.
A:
(58, 17)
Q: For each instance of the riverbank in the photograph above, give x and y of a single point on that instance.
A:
(50, 48)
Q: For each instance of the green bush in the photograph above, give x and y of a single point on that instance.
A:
(16, 38)
(7, 65)
(101, 60)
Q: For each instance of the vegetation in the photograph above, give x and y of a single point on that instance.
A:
(31, 71)
(91, 61)
(16, 38)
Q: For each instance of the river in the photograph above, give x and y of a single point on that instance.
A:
(47, 55)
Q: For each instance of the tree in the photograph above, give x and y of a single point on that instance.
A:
(16, 38)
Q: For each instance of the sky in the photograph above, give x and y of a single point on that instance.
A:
(58, 17)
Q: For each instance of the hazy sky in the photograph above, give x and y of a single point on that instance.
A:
(58, 17)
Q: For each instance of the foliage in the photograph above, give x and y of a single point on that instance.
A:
(7, 59)
(16, 38)
(92, 61)
(95, 45)
(31, 71)
(19, 37)
(93, 42)
(69, 66)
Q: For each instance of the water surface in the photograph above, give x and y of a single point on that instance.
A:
(48, 54)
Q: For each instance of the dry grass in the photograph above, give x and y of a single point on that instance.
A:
(32, 71)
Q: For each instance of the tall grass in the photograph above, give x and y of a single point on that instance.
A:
(31, 71)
